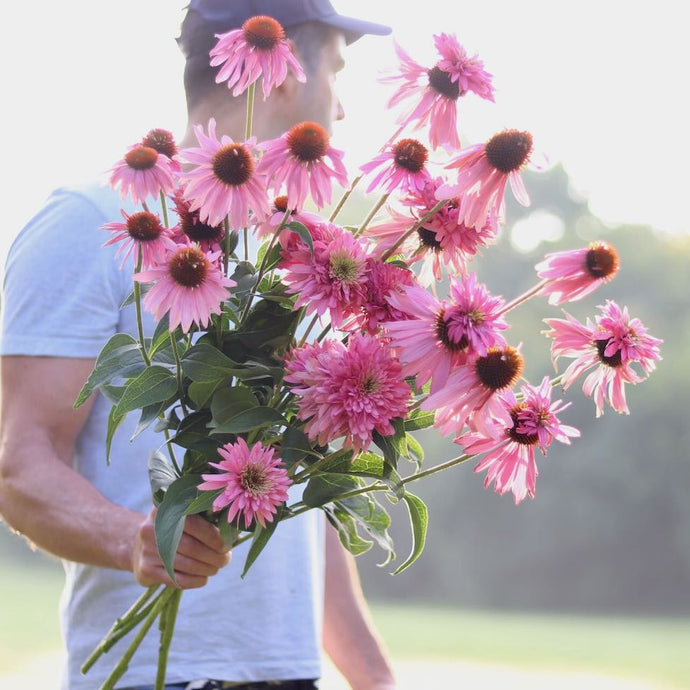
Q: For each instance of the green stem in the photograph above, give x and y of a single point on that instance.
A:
(524, 297)
(178, 366)
(167, 628)
(371, 215)
(122, 665)
(137, 305)
(164, 209)
(121, 627)
(344, 198)
(250, 111)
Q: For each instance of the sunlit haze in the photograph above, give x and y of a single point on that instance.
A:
(597, 83)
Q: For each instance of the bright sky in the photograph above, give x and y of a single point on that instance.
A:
(599, 83)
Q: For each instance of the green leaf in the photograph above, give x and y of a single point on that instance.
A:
(415, 450)
(114, 421)
(261, 537)
(294, 447)
(323, 488)
(419, 420)
(203, 502)
(161, 475)
(206, 363)
(119, 358)
(392, 446)
(303, 233)
(200, 392)
(170, 517)
(154, 384)
(365, 510)
(228, 402)
(346, 526)
(255, 418)
(149, 415)
(419, 520)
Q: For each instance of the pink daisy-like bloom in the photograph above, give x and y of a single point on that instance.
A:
(381, 280)
(442, 334)
(164, 142)
(142, 173)
(224, 181)
(442, 240)
(347, 392)
(276, 215)
(471, 392)
(258, 49)
(189, 287)
(300, 160)
(190, 228)
(572, 275)
(253, 482)
(612, 347)
(510, 460)
(435, 91)
(484, 171)
(329, 276)
(140, 231)
(401, 166)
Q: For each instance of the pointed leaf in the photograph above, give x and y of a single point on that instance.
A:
(323, 488)
(154, 384)
(255, 418)
(204, 362)
(419, 520)
(261, 537)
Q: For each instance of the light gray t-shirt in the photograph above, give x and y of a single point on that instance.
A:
(62, 297)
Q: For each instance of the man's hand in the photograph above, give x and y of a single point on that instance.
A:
(200, 555)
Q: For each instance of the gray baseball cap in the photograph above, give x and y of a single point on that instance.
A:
(224, 15)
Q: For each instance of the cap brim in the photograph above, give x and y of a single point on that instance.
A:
(355, 28)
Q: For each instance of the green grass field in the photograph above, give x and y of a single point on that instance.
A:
(655, 649)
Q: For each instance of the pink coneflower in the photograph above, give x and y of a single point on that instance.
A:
(190, 228)
(141, 230)
(276, 215)
(347, 392)
(189, 287)
(253, 481)
(442, 334)
(164, 142)
(258, 49)
(300, 160)
(381, 280)
(436, 91)
(484, 170)
(224, 181)
(610, 347)
(575, 274)
(510, 461)
(329, 276)
(443, 239)
(142, 173)
(471, 392)
(402, 166)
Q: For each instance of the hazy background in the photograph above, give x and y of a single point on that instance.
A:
(601, 87)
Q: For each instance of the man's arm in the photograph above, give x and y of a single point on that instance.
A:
(349, 636)
(59, 510)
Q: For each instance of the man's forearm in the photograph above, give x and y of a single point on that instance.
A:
(350, 636)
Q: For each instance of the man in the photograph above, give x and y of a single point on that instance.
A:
(63, 292)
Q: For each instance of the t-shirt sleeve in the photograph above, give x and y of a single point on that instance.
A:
(62, 289)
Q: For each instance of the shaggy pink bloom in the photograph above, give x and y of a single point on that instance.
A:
(609, 347)
(484, 171)
(300, 160)
(510, 459)
(253, 481)
(328, 277)
(402, 166)
(191, 229)
(572, 275)
(435, 91)
(189, 287)
(142, 173)
(140, 231)
(258, 49)
(270, 223)
(442, 240)
(347, 392)
(224, 181)
(381, 281)
(471, 393)
(441, 334)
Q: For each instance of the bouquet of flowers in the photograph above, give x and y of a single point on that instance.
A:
(290, 350)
